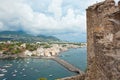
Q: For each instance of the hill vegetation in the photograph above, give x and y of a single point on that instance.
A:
(24, 37)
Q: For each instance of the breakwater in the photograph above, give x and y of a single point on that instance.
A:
(67, 65)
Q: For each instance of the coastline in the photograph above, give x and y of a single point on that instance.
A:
(34, 57)
(40, 52)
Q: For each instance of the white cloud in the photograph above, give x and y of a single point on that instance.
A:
(1, 25)
(68, 16)
(18, 14)
(55, 8)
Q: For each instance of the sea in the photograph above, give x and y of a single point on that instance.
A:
(34, 69)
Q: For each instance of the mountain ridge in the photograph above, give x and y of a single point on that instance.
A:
(25, 37)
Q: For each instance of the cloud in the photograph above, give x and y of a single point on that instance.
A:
(55, 8)
(1, 26)
(18, 14)
(52, 17)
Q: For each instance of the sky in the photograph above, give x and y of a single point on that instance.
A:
(65, 19)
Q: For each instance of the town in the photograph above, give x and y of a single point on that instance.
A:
(40, 49)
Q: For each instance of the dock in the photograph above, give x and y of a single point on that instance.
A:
(67, 65)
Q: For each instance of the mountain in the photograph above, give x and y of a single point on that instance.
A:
(24, 37)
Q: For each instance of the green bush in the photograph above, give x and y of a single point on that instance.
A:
(47, 46)
(16, 51)
(42, 79)
(64, 45)
(31, 47)
(5, 52)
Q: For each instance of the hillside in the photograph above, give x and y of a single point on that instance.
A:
(24, 37)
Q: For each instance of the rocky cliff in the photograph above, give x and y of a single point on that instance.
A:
(103, 30)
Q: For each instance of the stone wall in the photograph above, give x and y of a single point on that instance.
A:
(103, 30)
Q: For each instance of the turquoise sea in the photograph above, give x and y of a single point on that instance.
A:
(33, 69)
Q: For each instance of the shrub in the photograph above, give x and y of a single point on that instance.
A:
(31, 47)
(47, 46)
(16, 51)
(64, 45)
(5, 52)
(42, 79)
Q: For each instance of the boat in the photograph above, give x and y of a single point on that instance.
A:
(28, 62)
(3, 70)
(8, 65)
(2, 75)
(5, 79)
(14, 74)
(24, 75)
(15, 71)
(23, 69)
(50, 75)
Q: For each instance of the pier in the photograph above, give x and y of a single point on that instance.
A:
(67, 65)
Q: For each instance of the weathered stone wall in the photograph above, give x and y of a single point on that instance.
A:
(103, 30)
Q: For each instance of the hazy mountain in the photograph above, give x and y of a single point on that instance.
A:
(24, 37)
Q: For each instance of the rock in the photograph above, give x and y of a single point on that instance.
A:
(103, 46)
(119, 4)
